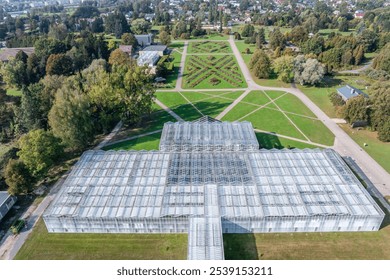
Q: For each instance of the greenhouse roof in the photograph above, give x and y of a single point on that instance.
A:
(262, 183)
(208, 134)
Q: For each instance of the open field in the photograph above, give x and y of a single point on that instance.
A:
(71, 246)
(212, 71)
(200, 47)
(202, 104)
(292, 113)
(375, 148)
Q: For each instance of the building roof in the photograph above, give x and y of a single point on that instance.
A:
(7, 53)
(144, 40)
(3, 197)
(156, 184)
(155, 48)
(347, 92)
(207, 134)
(148, 58)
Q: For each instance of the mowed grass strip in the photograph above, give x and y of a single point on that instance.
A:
(148, 142)
(195, 96)
(42, 245)
(320, 96)
(315, 130)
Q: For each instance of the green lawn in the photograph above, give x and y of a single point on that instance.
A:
(309, 246)
(206, 104)
(268, 141)
(315, 130)
(149, 142)
(291, 103)
(325, 32)
(14, 92)
(320, 96)
(212, 71)
(378, 150)
(95, 246)
(271, 119)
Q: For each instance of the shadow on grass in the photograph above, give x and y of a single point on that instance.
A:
(240, 246)
(189, 113)
(268, 141)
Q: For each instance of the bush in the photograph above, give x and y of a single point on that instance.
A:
(336, 99)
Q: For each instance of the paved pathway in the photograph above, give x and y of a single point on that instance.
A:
(357, 71)
(181, 69)
(109, 136)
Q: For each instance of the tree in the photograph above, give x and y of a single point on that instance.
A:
(247, 30)
(357, 109)
(284, 67)
(261, 36)
(298, 35)
(119, 57)
(314, 45)
(369, 39)
(336, 99)
(382, 60)
(358, 54)
(380, 110)
(70, 117)
(308, 71)
(165, 38)
(343, 24)
(14, 73)
(129, 39)
(59, 64)
(97, 25)
(277, 39)
(18, 178)
(260, 64)
(39, 150)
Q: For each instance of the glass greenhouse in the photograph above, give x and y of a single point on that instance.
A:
(234, 188)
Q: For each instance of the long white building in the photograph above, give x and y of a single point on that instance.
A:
(211, 189)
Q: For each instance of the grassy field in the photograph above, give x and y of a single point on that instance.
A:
(255, 107)
(268, 141)
(380, 151)
(212, 71)
(71, 246)
(309, 246)
(202, 104)
(149, 142)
